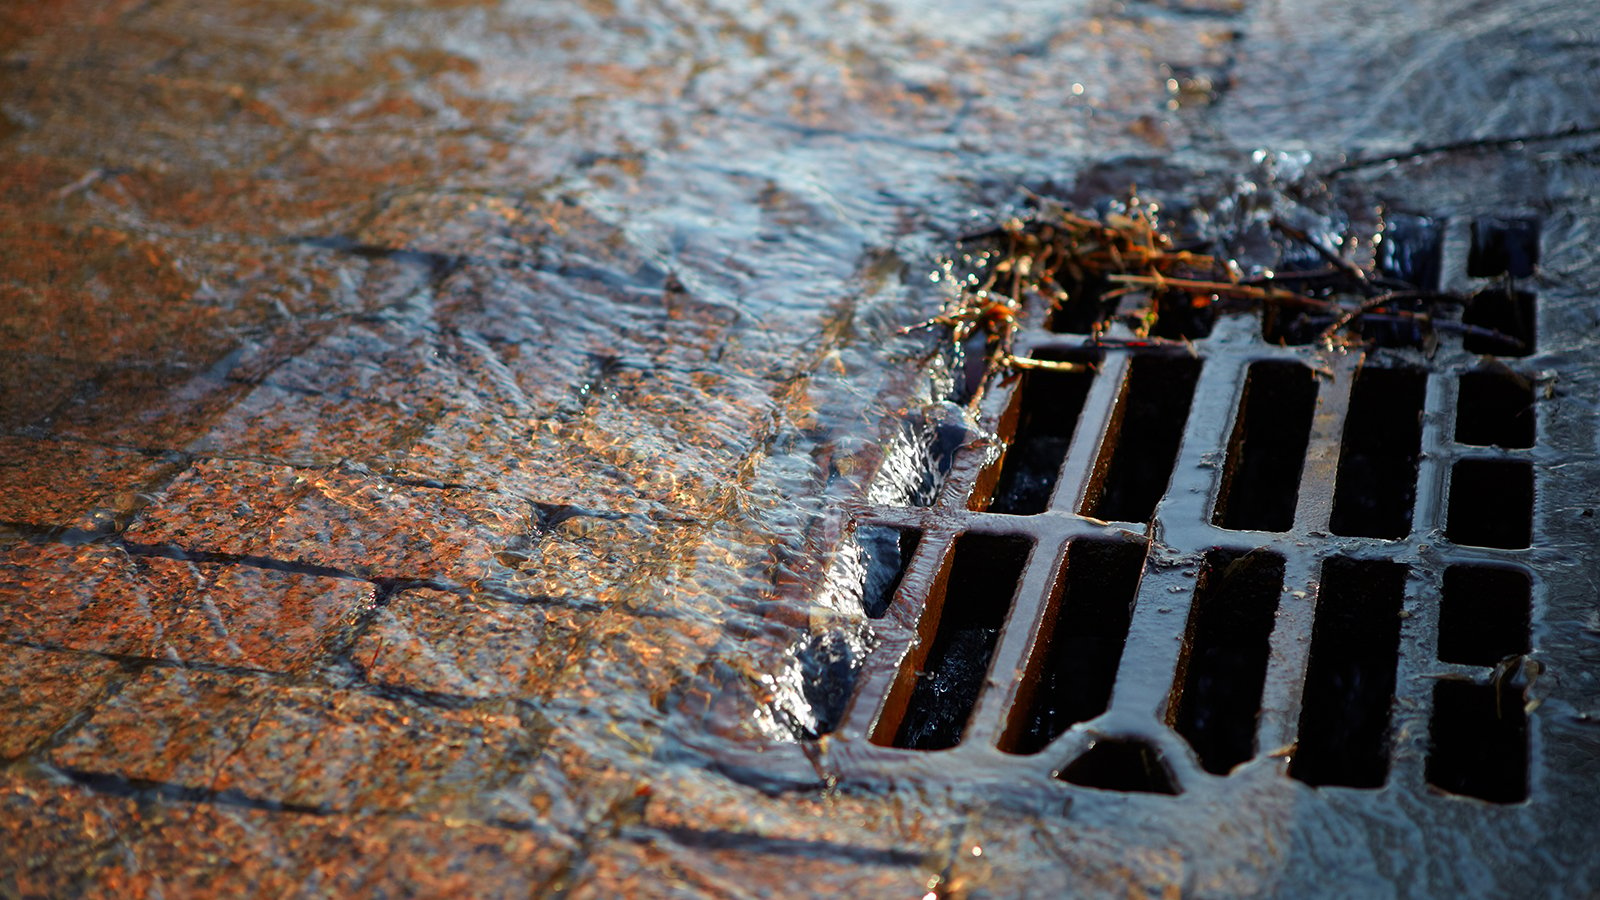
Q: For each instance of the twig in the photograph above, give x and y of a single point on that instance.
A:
(1339, 262)
(1226, 288)
(1367, 306)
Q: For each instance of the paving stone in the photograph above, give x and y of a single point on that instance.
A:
(41, 691)
(54, 836)
(90, 597)
(98, 598)
(469, 646)
(304, 746)
(97, 294)
(220, 505)
(345, 520)
(362, 523)
(337, 750)
(63, 483)
(174, 726)
(240, 615)
(654, 655)
(115, 403)
(32, 386)
(646, 865)
(184, 849)
(317, 429)
(686, 800)
(579, 552)
(360, 392)
(584, 314)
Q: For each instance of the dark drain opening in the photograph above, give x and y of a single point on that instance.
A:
(1179, 317)
(1483, 615)
(1478, 741)
(1491, 504)
(1411, 250)
(1495, 408)
(977, 596)
(1120, 765)
(1048, 407)
(1072, 670)
(1503, 322)
(1224, 662)
(1344, 713)
(1142, 440)
(1261, 481)
(1083, 310)
(1291, 325)
(887, 551)
(1503, 245)
(1377, 482)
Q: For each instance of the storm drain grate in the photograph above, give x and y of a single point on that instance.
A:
(1194, 555)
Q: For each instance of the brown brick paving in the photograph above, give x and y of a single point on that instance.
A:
(422, 424)
(427, 640)
(53, 835)
(41, 692)
(208, 850)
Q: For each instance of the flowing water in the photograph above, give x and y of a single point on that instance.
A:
(623, 283)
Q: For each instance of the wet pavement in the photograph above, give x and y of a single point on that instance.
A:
(424, 425)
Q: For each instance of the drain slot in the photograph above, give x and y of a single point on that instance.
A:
(1081, 640)
(1261, 481)
(1344, 714)
(1377, 482)
(1180, 318)
(1478, 741)
(1121, 765)
(1491, 504)
(1048, 408)
(977, 596)
(1503, 245)
(1495, 409)
(1084, 309)
(1483, 616)
(1224, 663)
(1142, 440)
(1503, 322)
(886, 552)
(1412, 250)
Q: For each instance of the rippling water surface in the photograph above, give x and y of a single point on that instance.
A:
(624, 279)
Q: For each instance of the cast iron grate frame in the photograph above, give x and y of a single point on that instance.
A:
(1179, 536)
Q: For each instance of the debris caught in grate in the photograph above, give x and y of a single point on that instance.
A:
(1219, 461)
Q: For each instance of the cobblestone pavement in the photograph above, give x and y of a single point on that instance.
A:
(422, 421)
